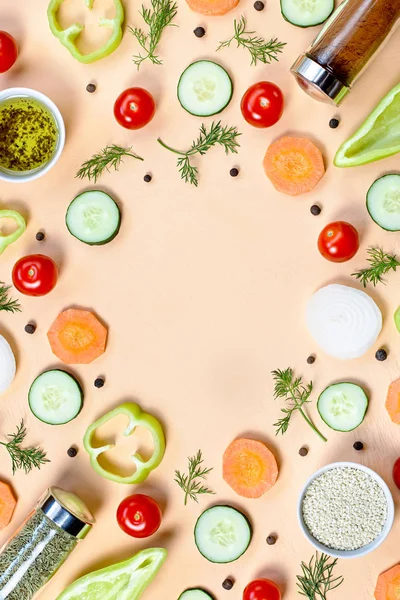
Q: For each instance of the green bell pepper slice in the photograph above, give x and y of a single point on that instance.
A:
(136, 418)
(122, 581)
(377, 138)
(68, 36)
(6, 240)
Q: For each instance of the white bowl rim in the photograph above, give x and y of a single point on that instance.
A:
(364, 549)
(22, 91)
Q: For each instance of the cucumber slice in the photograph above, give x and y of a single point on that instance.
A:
(397, 319)
(93, 217)
(195, 594)
(383, 202)
(55, 397)
(307, 13)
(222, 534)
(343, 406)
(204, 88)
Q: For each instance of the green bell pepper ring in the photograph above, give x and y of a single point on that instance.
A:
(6, 240)
(136, 418)
(68, 36)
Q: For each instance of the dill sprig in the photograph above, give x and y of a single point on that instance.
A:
(191, 484)
(157, 18)
(217, 135)
(23, 458)
(108, 158)
(296, 394)
(381, 263)
(260, 49)
(318, 578)
(7, 303)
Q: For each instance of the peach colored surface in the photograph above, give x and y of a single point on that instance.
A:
(204, 293)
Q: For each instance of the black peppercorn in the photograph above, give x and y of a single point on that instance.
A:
(315, 210)
(303, 451)
(258, 5)
(99, 382)
(227, 584)
(30, 328)
(333, 123)
(358, 446)
(199, 32)
(147, 178)
(40, 236)
(234, 172)
(72, 452)
(91, 88)
(271, 540)
(381, 354)
(311, 359)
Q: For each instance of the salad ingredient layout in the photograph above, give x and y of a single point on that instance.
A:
(6, 240)
(93, 218)
(139, 516)
(343, 406)
(318, 578)
(23, 458)
(55, 397)
(8, 51)
(216, 135)
(6, 303)
(260, 50)
(296, 394)
(35, 275)
(262, 104)
(393, 401)
(128, 579)
(396, 472)
(307, 14)
(222, 534)
(77, 337)
(157, 18)
(338, 241)
(108, 158)
(195, 594)
(8, 365)
(344, 508)
(192, 483)
(249, 468)
(204, 88)
(381, 263)
(69, 37)
(134, 108)
(214, 8)
(7, 504)
(383, 202)
(388, 584)
(262, 589)
(343, 321)
(294, 165)
(136, 418)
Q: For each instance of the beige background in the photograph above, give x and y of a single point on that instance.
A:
(204, 293)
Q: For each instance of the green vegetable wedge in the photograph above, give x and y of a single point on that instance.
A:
(378, 137)
(123, 581)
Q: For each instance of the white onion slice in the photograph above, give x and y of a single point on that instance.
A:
(7, 365)
(344, 322)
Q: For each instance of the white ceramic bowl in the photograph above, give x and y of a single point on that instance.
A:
(23, 176)
(365, 549)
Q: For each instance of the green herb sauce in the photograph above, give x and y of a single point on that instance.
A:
(28, 134)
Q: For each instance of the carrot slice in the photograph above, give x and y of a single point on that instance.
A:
(393, 401)
(77, 337)
(7, 504)
(294, 165)
(388, 585)
(249, 467)
(212, 7)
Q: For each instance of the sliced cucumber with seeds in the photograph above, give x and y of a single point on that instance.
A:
(204, 88)
(93, 217)
(222, 534)
(307, 13)
(55, 397)
(195, 594)
(343, 406)
(383, 202)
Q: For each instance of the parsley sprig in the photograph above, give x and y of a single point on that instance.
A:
(23, 458)
(296, 394)
(318, 578)
(6, 303)
(217, 135)
(192, 484)
(260, 49)
(108, 158)
(381, 263)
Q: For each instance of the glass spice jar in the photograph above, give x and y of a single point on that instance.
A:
(344, 47)
(43, 542)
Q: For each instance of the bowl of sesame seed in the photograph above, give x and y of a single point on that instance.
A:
(345, 510)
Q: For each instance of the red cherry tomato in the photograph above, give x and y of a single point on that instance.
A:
(262, 589)
(262, 104)
(139, 516)
(338, 241)
(35, 275)
(396, 472)
(134, 108)
(8, 51)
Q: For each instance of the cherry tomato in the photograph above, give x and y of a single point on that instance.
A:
(139, 516)
(338, 241)
(396, 472)
(35, 275)
(134, 108)
(262, 589)
(8, 51)
(262, 104)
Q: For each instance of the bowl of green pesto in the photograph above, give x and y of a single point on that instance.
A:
(32, 134)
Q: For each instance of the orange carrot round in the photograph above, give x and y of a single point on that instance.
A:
(393, 401)
(212, 7)
(388, 584)
(294, 165)
(7, 504)
(249, 467)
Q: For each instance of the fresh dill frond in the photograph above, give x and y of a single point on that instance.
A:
(108, 158)
(23, 458)
(381, 263)
(6, 303)
(191, 483)
(318, 578)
